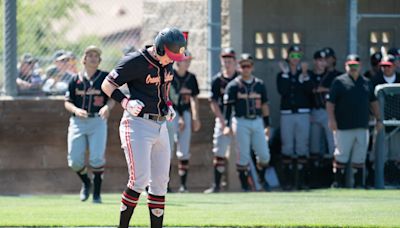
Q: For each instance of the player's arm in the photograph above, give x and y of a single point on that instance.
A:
(69, 101)
(375, 108)
(215, 92)
(330, 109)
(265, 110)
(104, 112)
(229, 101)
(194, 106)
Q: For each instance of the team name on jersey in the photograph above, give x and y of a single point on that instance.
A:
(88, 92)
(248, 96)
(156, 80)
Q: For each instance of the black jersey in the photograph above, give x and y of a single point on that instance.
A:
(218, 84)
(86, 93)
(246, 97)
(319, 98)
(147, 80)
(295, 95)
(182, 89)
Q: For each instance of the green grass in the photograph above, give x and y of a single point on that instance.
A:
(323, 208)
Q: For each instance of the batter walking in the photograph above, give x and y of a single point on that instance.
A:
(250, 124)
(90, 108)
(143, 131)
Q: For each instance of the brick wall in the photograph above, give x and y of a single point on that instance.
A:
(33, 150)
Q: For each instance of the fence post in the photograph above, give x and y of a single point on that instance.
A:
(10, 47)
(380, 146)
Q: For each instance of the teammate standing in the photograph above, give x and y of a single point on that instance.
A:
(183, 93)
(250, 125)
(295, 87)
(221, 141)
(90, 108)
(144, 135)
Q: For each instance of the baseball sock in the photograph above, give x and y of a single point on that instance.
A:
(156, 208)
(183, 171)
(339, 174)
(219, 169)
(128, 203)
(302, 169)
(358, 170)
(85, 190)
(243, 176)
(287, 172)
(97, 180)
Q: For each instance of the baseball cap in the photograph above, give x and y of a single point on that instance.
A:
(319, 54)
(294, 48)
(388, 60)
(28, 58)
(92, 48)
(60, 55)
(376, 58)
(171, 41)
(352, 59)
(329, 52)
(394, 51)
(246, 57)
(228, 53)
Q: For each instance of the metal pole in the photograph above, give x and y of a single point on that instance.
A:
(214, 37)
(10, 47)
(380, 147)
(353, 21)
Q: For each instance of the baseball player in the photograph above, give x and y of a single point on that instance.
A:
(375, 59)
(351, 97)
(90, 108)
(321, 137)
(221, 141)
(295, 87)
(396, 53)
(247, 95)
(183, 94)
(143, 131)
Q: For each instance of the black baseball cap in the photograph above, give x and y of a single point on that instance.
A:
(352, 59)
(246, 57)
(228, 53)
(376, 58)
(394, 51)
(294, 48)
(329, 52)
(28, 58)
(320, 54)
(388, 60)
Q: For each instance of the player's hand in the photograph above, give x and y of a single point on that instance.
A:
(80, 113)
(379, 126)
(267, 132)
(181, 124)
(104, 112)
(196, 125)
(171, 113)
(283, 65)
(227, 131)
(134, 107)
(332, 125)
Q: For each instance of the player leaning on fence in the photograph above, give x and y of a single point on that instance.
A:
(350, 97)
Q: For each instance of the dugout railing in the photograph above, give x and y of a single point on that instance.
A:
(389, 105)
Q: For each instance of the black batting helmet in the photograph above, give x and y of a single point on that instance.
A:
(172, 42)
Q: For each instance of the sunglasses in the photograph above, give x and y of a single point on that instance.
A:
(295, 55)
(245, 66)
(386, 66)
(355, 66)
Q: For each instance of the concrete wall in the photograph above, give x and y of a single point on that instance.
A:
(33, 150)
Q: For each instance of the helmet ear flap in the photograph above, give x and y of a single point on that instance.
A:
(160, 45)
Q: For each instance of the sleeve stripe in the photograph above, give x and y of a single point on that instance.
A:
(112, 82)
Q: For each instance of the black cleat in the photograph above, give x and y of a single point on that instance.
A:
(85, 191)
(213, 189)
(97, 199)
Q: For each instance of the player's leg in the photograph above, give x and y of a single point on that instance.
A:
(77, 144)
(302, 139)
(220, 146)
(172, 133)
(183, 146)
(136, 140)
(259, 144)
(160, 162)
(327, 160)
(344, 140)
(315, 150)
(287, 139)
(97, 147)
(242, 137)
(359, 155)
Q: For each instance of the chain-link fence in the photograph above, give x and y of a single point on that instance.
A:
(51, 31)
